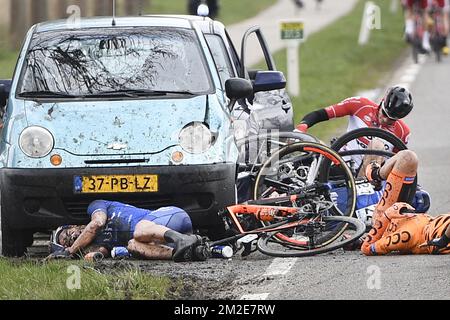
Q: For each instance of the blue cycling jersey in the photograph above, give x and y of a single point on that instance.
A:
(123, 218)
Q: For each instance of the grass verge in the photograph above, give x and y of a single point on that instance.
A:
(33, 280)
(8, 56)
(231, 11)
(333, 66)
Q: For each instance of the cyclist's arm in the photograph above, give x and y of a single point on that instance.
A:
(369, 246)
(345, 108)
(311, 119)
(98, 212)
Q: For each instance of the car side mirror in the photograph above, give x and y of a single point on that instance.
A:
(268, 81)
(5, 89)
(237, 88)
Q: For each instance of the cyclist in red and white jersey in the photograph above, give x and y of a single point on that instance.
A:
(363, 112)
(425, 6)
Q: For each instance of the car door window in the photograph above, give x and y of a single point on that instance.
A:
(221, 58)
(255, 54)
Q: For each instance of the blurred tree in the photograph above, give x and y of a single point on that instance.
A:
(134, 7)
(19, 22)
(103, 7)
(38, 11)
(83, 4)
(61, 9)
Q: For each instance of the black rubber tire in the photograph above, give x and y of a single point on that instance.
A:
(349, 180)
(415, 53)
(14, 242)
(354, 134)
(362, 132)
(372, 132)
(246, 164)
(438, 53)
(281, 135)
(264, 247)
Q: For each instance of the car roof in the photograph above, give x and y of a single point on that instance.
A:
(180, 21)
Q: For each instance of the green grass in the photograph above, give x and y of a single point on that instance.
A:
(8, 57)
(32, 280)
(333, 66)
(231, 11)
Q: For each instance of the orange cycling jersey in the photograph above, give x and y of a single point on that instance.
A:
(404, 233)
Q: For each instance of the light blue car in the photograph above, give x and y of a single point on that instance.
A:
(139, 112)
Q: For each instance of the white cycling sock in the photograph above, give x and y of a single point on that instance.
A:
(426, 41)
(409, 27)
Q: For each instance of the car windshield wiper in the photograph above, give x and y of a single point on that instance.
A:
(138, 92)
(47, 94)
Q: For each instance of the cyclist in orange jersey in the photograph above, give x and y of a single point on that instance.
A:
(396, 226)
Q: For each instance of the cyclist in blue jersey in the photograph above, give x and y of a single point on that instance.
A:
(165, 233)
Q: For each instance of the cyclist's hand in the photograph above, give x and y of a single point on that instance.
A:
(63, 254)
(302, 127)
(373, 175)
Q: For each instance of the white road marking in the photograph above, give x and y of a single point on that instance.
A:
(257, 296)
(411, 72)
(408, 78)
(280, 266)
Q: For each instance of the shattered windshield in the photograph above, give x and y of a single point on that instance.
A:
(101, 61)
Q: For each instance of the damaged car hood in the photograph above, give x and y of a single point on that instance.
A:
(116, 127)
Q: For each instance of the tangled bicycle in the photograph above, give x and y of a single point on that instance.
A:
(303, 194)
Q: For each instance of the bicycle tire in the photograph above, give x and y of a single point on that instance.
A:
(254, 150)
(327, 153)
(261, 139)
(371, 132)
(358, 133)
(271, 245)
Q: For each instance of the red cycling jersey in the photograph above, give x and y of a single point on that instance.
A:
(364, 113)
(424, 4)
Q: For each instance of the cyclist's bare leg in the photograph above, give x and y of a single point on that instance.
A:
(150, 238)
(409, 22)
(400, 173)
(149, 250)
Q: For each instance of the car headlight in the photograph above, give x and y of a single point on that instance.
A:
(36, 142)
(195, 138)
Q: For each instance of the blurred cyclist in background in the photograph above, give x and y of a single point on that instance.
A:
(425, 6)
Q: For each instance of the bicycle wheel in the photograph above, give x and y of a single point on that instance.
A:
(255, 150)
(272, 246)
(350, 141)
(294, 170)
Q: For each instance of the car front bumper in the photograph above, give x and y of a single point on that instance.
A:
(43, 199)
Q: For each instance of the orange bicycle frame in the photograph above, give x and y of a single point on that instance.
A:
(261, 213)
